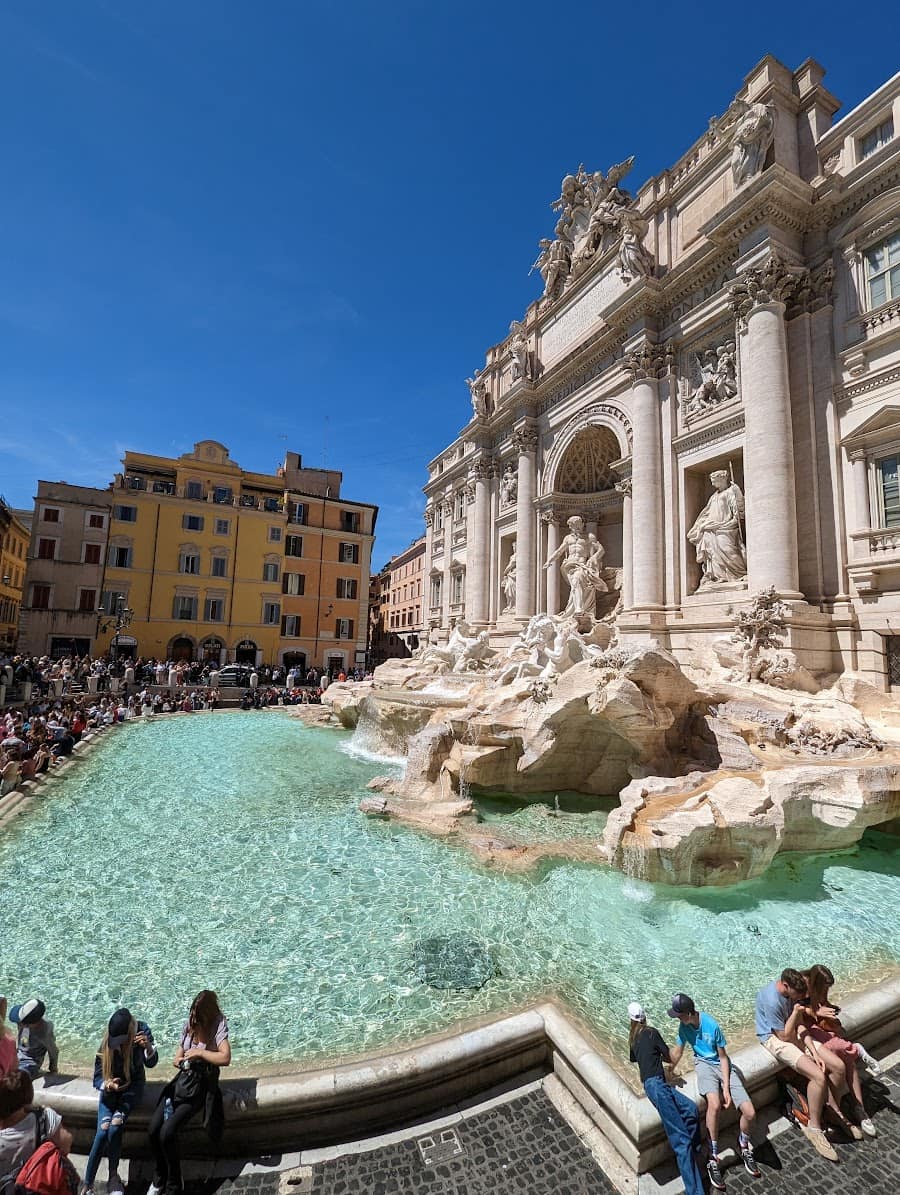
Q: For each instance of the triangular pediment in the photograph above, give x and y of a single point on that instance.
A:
(883, 424)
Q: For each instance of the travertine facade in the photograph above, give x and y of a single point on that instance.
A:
(711, 381)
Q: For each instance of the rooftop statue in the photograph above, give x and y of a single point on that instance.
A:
(751, 127)
(482, 404)
(518, 347)
(595, 214)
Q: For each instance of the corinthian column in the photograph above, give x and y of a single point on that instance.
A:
(552, 574)
(525, 444)
(769, 485)
(478, 554)
(647, 479)
(624, 488)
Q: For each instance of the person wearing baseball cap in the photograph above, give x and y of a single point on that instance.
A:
(678, 1114)
(717, 1080)
(35, 1040)
(119, 1075)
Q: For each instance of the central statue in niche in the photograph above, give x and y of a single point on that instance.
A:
(716, 534)
(581, 568)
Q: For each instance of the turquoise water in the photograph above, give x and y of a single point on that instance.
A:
(227, 851)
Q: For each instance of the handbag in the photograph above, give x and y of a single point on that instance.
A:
(191, 1081)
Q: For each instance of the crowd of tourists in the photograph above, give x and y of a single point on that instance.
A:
(34, 1142)
(799, 1025)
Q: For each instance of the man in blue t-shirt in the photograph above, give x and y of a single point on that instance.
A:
(717, 1081)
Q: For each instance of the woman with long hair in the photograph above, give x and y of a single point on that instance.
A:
(678, 1114)
(825, 1031)
(126, 1050)
(204, 1048)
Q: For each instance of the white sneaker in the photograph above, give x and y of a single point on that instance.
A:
(868, 1127)
(153, 1189)
(114, 1185)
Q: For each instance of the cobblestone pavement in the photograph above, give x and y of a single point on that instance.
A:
(524, 1147)
(521, 1147)
(790, 1164)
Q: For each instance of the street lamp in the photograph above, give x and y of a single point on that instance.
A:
(119, 619)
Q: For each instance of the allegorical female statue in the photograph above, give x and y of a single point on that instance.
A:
(716, 534)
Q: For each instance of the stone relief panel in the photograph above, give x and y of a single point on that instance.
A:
(709, 380)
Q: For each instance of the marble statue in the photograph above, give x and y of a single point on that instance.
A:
(716, 534)
(718, 379)
(518, 347)
(583, 554)
(481, 399)
(634, 260)
(508, 583)
(752, 131)
(509, 485)
(554, 263)
(464, 651)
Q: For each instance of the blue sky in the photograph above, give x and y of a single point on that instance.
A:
(299, 225)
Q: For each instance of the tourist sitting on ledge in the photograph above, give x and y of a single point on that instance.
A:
(780, 1016)
(717, 1080)
(21, 1124)
(823, 1028)
(35, 1039)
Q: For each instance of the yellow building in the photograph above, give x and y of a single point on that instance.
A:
(14, 538)
(219, 563)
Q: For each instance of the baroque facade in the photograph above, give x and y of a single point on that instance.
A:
(711, 382)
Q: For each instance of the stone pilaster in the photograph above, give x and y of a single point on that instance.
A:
(760, 298)
(648, 557)
(862, 518)
(525, 443)
(551, 522)
(624, 488)
(478, 554)
(448, 560)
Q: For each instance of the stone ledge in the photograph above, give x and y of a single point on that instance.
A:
(269, 1114)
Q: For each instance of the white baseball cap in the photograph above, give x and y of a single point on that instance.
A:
(636, 1011)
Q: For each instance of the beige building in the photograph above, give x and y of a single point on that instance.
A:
(711, 382)
(401, 598)
(64, 577)
(14, 536)
(225, 564)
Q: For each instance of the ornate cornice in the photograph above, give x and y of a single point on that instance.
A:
(710, 434)
(874, 381)
(774, 197)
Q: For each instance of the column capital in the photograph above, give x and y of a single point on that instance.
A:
(856, 454)
(650, 361)
(525, 440)
(623, 487)
(482, 469)
(548, 517)
(429, 516)
(469, 491)
(775, 281)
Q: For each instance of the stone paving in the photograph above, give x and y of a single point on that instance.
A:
(790, 1164)
(524, 1147)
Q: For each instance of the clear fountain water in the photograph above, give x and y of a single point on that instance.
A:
(228, 851)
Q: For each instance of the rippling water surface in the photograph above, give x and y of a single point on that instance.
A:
(227, 851)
